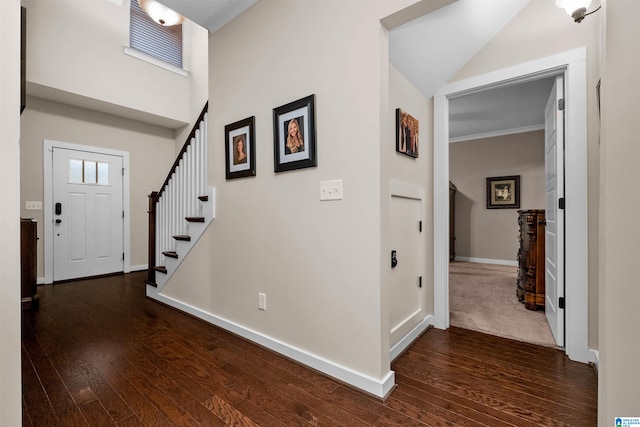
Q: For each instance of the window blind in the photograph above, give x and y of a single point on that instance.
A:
(164, 43)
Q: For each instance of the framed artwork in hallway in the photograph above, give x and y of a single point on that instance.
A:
(407, 131)
(240, 148)
(503, 192)
(294, 135)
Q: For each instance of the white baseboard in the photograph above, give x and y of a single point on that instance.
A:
(596, 358)
(40, 280)
(413, 335)
(487, 261)
(377, 387)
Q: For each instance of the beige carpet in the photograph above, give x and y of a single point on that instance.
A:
(482, 297)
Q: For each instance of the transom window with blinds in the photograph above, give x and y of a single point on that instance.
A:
(163, 43)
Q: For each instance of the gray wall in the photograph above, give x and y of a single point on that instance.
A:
(493, 233)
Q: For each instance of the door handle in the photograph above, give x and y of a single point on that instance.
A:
(394, 259)
(58, 221)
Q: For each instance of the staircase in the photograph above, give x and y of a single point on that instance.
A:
(182, 210)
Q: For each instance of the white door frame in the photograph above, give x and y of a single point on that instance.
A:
(573, 64)
(47, 149)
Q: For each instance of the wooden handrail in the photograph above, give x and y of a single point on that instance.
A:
(184, 148)
(151, 274)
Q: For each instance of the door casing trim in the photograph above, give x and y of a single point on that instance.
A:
(47, 150)
(573, 64)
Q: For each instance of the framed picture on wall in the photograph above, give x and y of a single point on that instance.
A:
(407, 131)
(294, 135)
(503, 192)
(240, 148)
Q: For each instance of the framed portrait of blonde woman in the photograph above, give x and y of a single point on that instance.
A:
(503, 192)
(294, 135)
(240, 148)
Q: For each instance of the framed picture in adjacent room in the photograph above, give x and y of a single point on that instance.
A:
(407, 131)
(503, 192)
(240, 148)
(294, 135)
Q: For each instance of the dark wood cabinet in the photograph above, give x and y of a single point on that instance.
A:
(531, 270)
(452, 221)
(28, 262)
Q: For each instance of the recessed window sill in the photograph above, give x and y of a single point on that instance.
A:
(155, 61)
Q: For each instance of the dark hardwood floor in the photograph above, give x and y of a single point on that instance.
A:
(98, 352)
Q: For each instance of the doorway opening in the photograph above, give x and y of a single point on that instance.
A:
(573, 65)
(497, 247)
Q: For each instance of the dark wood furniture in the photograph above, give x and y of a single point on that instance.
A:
(531, 271)
(28, 262)
(452, 222)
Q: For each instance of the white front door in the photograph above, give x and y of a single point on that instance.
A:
(554, 187)
(406, 308)
(87, 214)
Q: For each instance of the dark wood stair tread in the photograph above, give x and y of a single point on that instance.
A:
(183, 237)
(160, 268)
(171, 254)
(195, 219)
(154, 284)
(203, 198)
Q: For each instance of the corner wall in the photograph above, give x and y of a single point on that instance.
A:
(11, 390)
(619, 376)
(417, 173)
(317, 262)
(493, 233)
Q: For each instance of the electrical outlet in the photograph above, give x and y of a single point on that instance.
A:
(262, 301)
(331, 190)
(33, 206)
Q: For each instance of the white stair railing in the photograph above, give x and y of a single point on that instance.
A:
(182, 209)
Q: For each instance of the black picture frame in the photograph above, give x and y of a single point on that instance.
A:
(407, 134)
(242, 131)
(300, 152)
(503, 192)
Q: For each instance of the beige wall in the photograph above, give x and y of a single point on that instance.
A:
(78, 48)
(541, 30)
(196, 59)
(150, 148)
(316, 261)
(10, 391)
(619, 379)
(417, 172)
(493, 233)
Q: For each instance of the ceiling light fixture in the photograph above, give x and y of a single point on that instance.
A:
(161, 13)
(577, 9)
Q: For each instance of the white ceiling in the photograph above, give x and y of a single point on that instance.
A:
(430, 51)
(499, 111)
(211, 14)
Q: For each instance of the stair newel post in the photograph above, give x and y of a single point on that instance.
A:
(153, 200)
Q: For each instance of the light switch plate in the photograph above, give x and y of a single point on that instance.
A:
(331, 190)
(33, 206)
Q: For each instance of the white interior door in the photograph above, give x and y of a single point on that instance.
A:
(87, 214)
(554, 187)
(406, 308)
